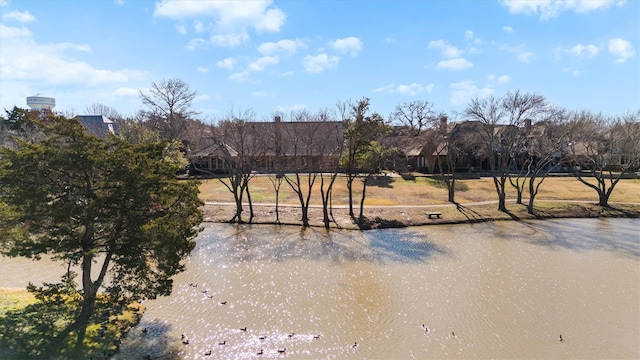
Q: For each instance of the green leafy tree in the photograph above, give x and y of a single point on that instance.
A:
(102, 203)
(362, 131)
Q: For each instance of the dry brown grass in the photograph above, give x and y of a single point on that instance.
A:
(395, 201)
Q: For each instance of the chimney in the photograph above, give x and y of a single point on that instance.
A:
(278, 140)
(527, 124)
(443, 123)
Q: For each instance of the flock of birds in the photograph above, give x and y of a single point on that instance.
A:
(185, 339)
(283, 350)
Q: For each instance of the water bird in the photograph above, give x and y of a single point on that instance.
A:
(262, 337)
(185, 341)
(316, 336)
(355, 345)
(207, 353)
(426, 328)
(453, 334)
(260, 352)
(292, 335)
(223, 343)
(183, 336)
(205, 291)
(282, 351)
(561, 339)
(144, 331)
(223, 303)
(243, 329)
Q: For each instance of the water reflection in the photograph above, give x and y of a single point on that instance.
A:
(505, 289)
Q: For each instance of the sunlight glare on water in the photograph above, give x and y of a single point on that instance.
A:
(491, 290)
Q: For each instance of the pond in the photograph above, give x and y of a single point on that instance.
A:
(490, 290)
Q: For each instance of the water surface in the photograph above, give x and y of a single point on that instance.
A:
(492, 290)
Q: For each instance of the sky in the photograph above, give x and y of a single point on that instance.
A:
(264, 56)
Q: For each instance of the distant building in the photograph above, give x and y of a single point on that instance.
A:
(98, 125)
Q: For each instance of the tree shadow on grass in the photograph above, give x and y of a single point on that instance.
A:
(471, 215)
(36, 331)
(381, 181)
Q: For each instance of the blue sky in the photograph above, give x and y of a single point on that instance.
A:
(284, 55)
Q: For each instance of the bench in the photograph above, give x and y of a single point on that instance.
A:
(432, 215)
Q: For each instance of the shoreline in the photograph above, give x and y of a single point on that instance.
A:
(399, 216)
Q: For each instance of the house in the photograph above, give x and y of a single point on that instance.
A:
(98, 125)
(269, 147)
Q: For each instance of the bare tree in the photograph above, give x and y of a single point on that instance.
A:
(169, 107)
(544, 148)
(235, 140)
(276, 176)
(307, 140)
(331, 163)
(502, 120)
(416, 115)
(602, 149)
(104, 110)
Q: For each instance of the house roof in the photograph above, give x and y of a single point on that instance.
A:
(287, 138)
(98, 125)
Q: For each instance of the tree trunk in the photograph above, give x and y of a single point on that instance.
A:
(502, 200)
(364, 193)
(603, 199)
(89, 290)
(350, 179)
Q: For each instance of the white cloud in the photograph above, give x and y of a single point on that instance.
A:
(54, 63)
(552, 8)
(320, 62)
(228, 21)
(239, 76)
(202, 69)
(507, 29)
(448, 51)
(584, 50)
(263, 62)
(465, 90)
(196, 43)
(454, 64)
(230, 39)
(181, 29)
(227, 14)
(498, 80)
(622, 49)
(271, 21)
(23, 17)
(4, 2)
(226, 63)
(389, 40)
(409, 89)
(286, 46)
(127, 91)
(198, 26)
(468, 34)
(523, 55)
(350, 45)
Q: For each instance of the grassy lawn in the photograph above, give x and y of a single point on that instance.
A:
(398, 201)
(28, 328)
(421, 191)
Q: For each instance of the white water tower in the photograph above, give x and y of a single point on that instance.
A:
(41, 103)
